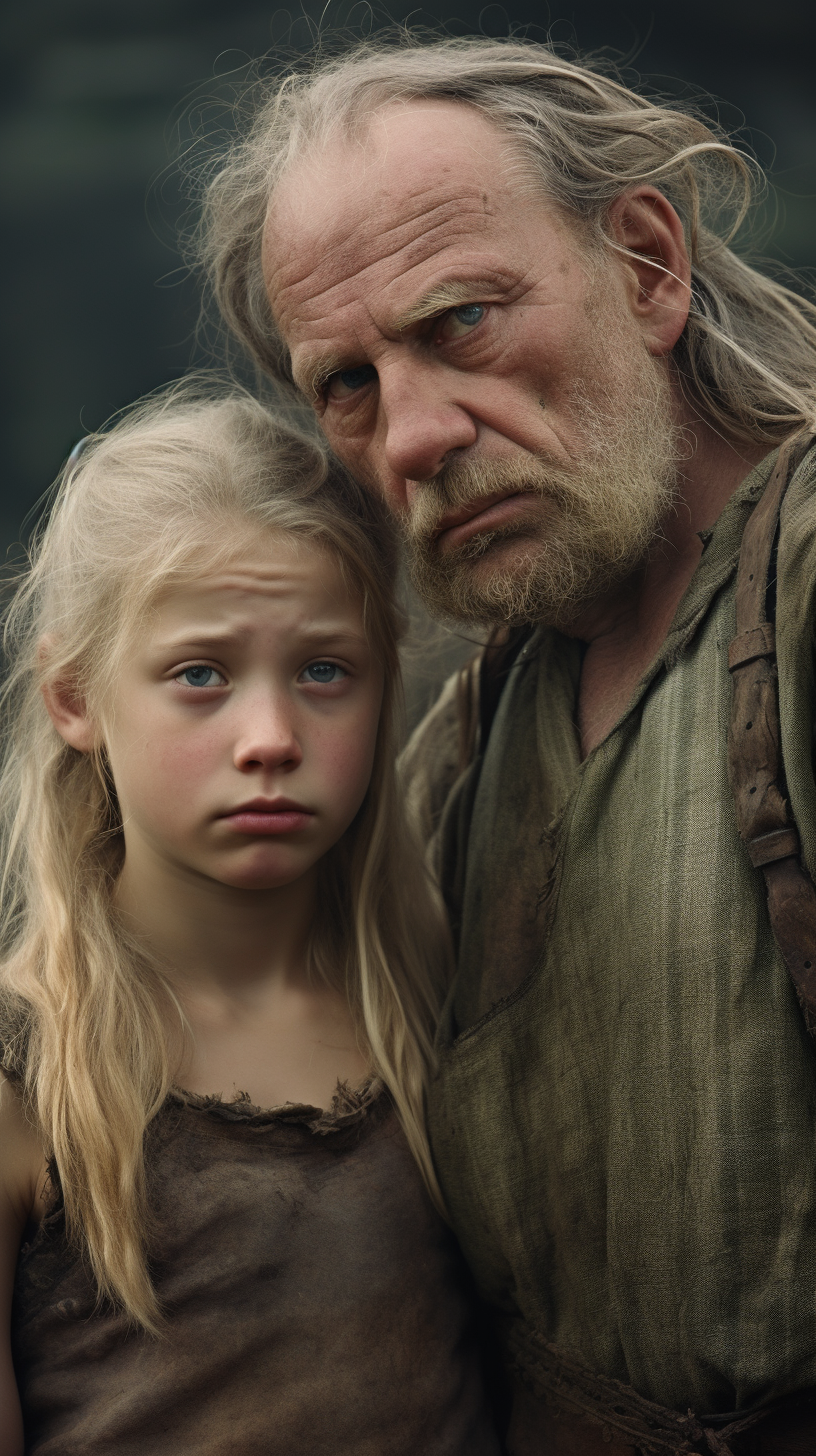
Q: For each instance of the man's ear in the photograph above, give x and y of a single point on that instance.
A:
(68, 712)
(644, 222)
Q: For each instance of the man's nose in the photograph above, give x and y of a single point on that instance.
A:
(267, 738)
(423, 424)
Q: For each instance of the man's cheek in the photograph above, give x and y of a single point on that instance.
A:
(361, 449)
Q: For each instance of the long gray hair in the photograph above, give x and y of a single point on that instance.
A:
(747, 356)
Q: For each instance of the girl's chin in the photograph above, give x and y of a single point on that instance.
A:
(263, 877)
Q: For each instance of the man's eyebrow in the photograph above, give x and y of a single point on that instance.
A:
(444, 296)
(311, 377)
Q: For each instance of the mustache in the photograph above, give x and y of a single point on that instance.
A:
(465, 483)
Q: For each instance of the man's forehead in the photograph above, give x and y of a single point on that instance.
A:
(431, 183)
(404, 155)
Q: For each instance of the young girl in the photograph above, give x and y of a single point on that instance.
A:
(221, 972)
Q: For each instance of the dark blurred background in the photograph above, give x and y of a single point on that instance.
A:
(98, 96)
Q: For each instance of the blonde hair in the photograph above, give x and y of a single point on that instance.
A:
(747, 356)
(82, 1008)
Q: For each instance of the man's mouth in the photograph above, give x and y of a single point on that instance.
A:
(486, 513)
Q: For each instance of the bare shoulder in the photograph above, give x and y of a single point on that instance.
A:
(439, 748)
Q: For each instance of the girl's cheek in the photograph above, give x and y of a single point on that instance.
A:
(164, 768)
(188, 757)
(349, 760)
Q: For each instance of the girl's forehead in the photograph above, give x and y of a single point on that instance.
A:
(264, 552)
(282, 572)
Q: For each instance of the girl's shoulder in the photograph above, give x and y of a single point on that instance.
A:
(23, 1167)
(16, 1021)
(23, 1179)
(23, 1164)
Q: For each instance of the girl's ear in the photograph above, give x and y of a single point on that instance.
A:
(69, 716)
(67, 710)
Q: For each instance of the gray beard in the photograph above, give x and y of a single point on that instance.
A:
(598, 517)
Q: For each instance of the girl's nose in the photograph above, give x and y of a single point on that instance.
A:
(268, 739)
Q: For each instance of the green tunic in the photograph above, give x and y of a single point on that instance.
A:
(624, 1119)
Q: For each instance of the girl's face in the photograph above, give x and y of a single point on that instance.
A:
(244, 719)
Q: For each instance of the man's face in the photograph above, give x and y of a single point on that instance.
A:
(471, 361)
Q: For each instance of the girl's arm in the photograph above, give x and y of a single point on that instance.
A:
(21, 1167)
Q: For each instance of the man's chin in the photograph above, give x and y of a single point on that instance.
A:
(508, 583)
(484, 592)
(464, 584)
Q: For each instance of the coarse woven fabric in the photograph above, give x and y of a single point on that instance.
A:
(624, 1120)
(316, 1303)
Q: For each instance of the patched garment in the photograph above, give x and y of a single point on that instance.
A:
(316, 1303)
(624, 1120)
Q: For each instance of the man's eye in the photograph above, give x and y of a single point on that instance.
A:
(347, 381)
(324, 672)
(201, 677)
(461, 320)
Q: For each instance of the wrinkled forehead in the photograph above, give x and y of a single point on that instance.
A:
(358, 219)
(223, 555)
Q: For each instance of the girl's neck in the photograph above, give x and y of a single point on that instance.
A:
(213, 938)
(255, 1020)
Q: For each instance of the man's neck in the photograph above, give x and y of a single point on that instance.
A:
(626, 627)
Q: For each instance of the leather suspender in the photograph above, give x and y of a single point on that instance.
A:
(755, 762)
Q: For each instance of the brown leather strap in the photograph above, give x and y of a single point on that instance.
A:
(748, 646)
(754, 747)
(561, 1407)
(539, 1429)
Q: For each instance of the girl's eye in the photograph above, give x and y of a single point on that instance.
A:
(324, 672)
(201, 677)
(460, 321)
(348, 381)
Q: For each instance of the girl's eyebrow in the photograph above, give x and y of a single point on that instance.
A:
(190, 640)
(223, 636)
(334, 634)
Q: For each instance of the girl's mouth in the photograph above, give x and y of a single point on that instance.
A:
(268, 816)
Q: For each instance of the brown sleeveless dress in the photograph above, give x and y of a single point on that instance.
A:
(316, 1303)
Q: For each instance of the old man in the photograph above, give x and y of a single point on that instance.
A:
(503, 281)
